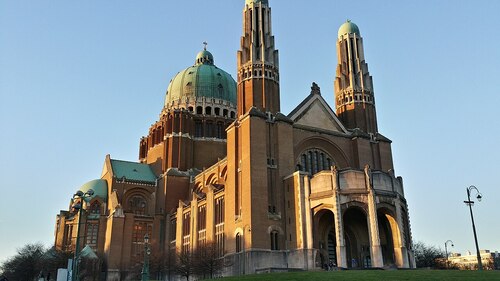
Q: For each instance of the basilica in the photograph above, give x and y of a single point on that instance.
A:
(273, 191)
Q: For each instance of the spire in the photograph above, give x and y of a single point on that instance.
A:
(258, 66)
(353, 84)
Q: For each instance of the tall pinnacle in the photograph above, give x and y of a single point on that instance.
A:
(258, 73)
(353, 83)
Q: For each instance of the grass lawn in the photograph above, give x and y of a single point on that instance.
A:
(378, 275)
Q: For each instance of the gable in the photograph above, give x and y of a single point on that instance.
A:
(314, 112)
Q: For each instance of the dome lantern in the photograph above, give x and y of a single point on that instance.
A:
(348, 28)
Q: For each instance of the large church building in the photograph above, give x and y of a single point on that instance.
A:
(273, 191)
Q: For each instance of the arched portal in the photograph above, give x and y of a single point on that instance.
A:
(386, 242)
(324, 237)
(357, 238)
(390, 240)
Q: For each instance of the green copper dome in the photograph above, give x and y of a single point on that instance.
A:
(203, 79)
(100, 188)
(265, 2)
(348, 28)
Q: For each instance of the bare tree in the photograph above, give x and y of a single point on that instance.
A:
(26, 264)
(427, 256)
(184, 265)
(207, 260)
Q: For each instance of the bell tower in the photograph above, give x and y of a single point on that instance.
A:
(258, 74)
(355, 102)
(259, 150)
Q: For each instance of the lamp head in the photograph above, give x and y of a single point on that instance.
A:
(146, 238)
(479, 197)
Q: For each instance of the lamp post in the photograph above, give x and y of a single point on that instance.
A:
(79, 206)
(470, 203)
(446, 250)
(145, 266)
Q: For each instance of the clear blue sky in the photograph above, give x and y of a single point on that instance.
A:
(81, 79)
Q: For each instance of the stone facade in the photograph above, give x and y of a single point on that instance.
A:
(274, 192)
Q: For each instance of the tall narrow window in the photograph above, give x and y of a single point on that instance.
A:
(173, 231)
(186, 233)
(221, 133)
(304, 162)
(140, 229)
(219, 225)
(238, 243)
(202, 225)
(92, 235)
(210, 129)
(274, 240)
(198, 129)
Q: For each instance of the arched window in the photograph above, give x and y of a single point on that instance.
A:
(199, 110)
(274, 240)
(208, 110)
(314, 160)
(95, 208)
(137, 205)
(238, 243)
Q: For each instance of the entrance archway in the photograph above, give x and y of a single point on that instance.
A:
(389, 237)
(324, 237)
(357, 238)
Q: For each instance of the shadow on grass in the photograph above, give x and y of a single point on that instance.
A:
(374, 275)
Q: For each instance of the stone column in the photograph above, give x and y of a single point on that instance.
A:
(375, 249)
(338, 221)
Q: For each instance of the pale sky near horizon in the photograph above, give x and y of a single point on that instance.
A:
(82, 79)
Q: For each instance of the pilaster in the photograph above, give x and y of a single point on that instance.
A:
(375, 248)
(338, 221)
(400, 252)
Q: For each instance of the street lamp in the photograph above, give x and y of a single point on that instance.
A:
(145, 266)
(470, 203)
(79, 206)
(446, 250)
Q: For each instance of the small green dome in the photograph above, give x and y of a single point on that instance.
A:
(348, 28)
(203, 79)
(204, 57)
(100, 188)
(264, 2)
